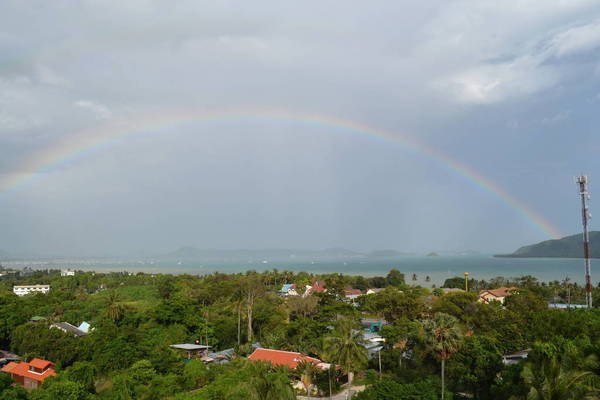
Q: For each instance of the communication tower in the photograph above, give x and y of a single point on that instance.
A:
(585, 216)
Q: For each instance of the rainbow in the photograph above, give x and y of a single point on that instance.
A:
(80, 145)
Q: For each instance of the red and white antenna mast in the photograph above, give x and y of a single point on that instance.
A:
(585, 216)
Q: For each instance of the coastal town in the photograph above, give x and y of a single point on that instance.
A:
(329, 336)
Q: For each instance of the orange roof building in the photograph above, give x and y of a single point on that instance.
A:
(279, 357)
(489, 295)
(29, 375)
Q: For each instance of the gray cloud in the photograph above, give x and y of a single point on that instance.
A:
(499, 86)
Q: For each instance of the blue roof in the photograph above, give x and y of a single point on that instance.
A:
(286, 287)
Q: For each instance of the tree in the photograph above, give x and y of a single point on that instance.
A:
(346, 346)
(322, 349)
(251, 288)
(267, 383)
(195, 374)
(307, 371)
(475, 366)
(550, 381)
(393, 304)
(83, 373)
(114, 308)
(456, 304)
(443, 338)
(388, 389)
(59, 388)
(398, 335)
(395, 278)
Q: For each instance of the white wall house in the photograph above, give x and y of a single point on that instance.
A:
(67, 272)
(28, 289)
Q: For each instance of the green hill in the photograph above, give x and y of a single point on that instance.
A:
(567, 247)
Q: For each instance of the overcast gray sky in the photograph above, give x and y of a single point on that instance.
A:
(508, 88)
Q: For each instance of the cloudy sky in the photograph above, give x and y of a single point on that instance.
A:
(509, 89)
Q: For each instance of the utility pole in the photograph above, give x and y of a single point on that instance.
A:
(585, 216)
(379, 353)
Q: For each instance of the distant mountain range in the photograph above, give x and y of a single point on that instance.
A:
(567, 247)
(193, 253)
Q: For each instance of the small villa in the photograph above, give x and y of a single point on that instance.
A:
(489, 295)
(316, 287)
(29, 375)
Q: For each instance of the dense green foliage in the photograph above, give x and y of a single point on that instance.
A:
(136, 317)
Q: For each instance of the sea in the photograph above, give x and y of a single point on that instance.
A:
(437, 268)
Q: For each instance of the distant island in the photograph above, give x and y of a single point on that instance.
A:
(193, 253)
(567, 247)
(432, 254)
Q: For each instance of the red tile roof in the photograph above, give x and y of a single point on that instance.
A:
(278, 357)
(9, 367)
(22, 369)
(41, 364)
(318, 286)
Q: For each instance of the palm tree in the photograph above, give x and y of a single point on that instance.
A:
(551, 381)
(442, 337)
(114, 309)
(346, 346)
(307, 371)
(321, 348)
(269, 383)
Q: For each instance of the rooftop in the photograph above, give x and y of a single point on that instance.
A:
(68, 328)
(500, 292)
(22, 369)
(279, 357)
(190, 346)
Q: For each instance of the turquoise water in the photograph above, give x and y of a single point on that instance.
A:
(437, 268)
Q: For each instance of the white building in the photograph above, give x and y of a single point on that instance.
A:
(28, 289)
(67, 272)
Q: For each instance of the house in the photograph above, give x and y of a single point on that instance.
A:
(316, 287)
(288, 358)
(30, 375)
(193, 350)
(373, 324)
(489, 295)
(373, 342)
(28, 289)
(374, 290)
(71, 329)
(67, 272)
(289, 289)
(352, 294)
(7, 356)
(219, 357)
